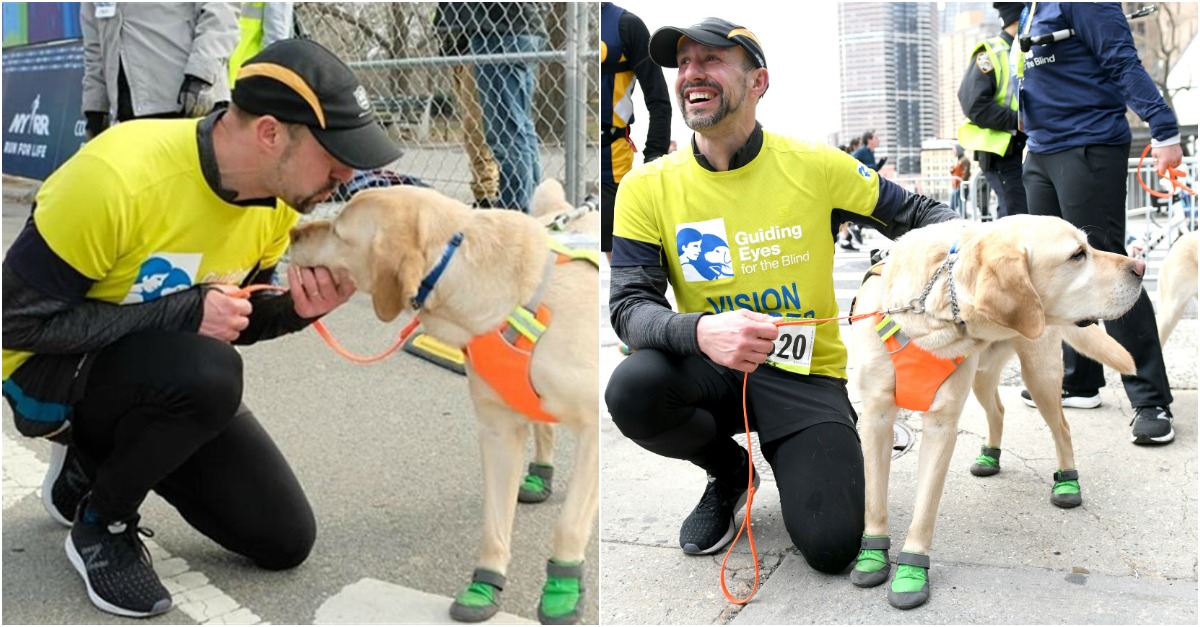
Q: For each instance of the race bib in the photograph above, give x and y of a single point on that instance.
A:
(794, 347)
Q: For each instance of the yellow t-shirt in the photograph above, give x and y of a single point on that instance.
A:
(133, 212)
(758, 237)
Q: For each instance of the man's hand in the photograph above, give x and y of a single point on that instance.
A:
(195, 97)
(1167, 157)
(739, 339)
(316, 292)
(225, 316)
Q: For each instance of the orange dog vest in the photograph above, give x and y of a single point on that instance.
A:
(919, 373)
(502, 357)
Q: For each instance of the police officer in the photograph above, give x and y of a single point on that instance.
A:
(989, 101)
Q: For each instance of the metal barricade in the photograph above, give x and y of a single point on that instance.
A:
(1153, 223)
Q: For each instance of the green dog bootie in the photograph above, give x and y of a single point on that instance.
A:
(910, 588)
(988, 462)
(562, 596)
(535, 488)
(872, 566)
(1065, 493)
(481, 600)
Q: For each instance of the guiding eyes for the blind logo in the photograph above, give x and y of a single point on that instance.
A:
(703, 250)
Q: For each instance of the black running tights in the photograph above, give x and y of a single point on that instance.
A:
(681, 407)
(162, 411)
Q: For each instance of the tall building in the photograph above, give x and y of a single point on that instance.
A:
(967, 28)
(889, 72)
(949, 20)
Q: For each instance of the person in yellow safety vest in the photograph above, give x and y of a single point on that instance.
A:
(262, 24)
(989, 101)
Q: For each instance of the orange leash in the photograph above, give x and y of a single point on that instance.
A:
(1173, 175)
(323, 331)
(747, 526)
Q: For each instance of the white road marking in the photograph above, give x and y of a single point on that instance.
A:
(194, 595)
(374, 602)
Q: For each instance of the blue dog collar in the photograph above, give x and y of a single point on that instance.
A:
(431, 279)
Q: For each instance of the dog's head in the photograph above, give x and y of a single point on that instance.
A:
(1025, 272)
(377, 239)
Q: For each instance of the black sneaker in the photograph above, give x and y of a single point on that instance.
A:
(116, 567)
(710, 525)
(1069, 399)
(1152, 425)
(65, 485)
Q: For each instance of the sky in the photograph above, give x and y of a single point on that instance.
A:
(800, 41)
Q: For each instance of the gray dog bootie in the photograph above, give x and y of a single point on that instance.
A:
(481, 600)
(562, 596)
(988, 462)
(1065, 493)
(535, 488)
(910, 588)
(872, 566)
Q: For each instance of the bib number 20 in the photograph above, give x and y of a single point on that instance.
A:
(794, 347)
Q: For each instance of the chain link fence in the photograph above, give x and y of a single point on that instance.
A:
(486, 99)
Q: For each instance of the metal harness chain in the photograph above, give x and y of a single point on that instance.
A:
(917, 305)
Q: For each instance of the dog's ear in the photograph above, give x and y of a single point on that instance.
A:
(1004, 293)
(397, 264)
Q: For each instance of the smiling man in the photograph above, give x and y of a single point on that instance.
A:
(769, 207)
(134, 377)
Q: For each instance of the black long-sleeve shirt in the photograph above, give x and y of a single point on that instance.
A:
(653, 85)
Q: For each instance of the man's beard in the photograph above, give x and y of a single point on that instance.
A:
(703, 122)
(306, 204)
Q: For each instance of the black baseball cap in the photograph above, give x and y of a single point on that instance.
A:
(713, 31)
(1009, 11)
(300, 81)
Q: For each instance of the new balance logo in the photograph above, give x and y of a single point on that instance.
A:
(91, 557)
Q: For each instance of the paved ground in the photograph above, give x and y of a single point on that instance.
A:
(389, 459)
(1002, 555)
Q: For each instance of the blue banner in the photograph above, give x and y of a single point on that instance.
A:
(43, 124)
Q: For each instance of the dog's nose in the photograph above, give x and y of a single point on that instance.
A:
(1139, 268)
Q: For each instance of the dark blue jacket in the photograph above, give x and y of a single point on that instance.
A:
(866, 156)
(1075, 91)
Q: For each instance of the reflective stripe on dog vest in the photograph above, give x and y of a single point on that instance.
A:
(502, 357)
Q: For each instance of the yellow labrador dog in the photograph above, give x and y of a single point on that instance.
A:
(391, 241)
(1019, 285)
(1176, 284)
